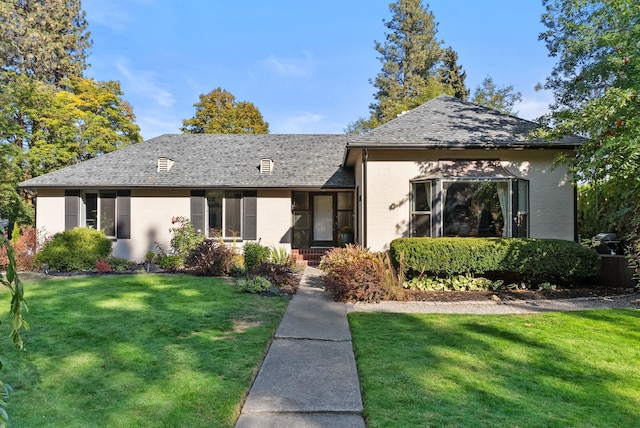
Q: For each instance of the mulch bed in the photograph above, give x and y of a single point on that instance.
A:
(567, 293)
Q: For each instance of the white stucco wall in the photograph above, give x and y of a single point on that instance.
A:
(50, 211)
(274, 218)
(389, 173)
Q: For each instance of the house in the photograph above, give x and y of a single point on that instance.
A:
(445, 168)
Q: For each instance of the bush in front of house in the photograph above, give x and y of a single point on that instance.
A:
(254, 254)
(26, 241)
(527, 260)
(75, 250)
(212, 258)
(283, 276)
(358, 274)
(184, 237)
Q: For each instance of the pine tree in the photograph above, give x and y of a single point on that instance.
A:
(409, 56)
(451, 74)
(44, 39)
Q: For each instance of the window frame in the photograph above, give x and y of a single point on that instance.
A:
(414, 213)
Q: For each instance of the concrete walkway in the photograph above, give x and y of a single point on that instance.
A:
(309, 376)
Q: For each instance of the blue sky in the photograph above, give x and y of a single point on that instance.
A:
(305, 65)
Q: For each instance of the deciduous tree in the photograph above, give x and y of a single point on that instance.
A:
(501, 98)
(218, 112)
(596, 88)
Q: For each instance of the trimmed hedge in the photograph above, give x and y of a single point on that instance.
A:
(522, 259)
(78, 249)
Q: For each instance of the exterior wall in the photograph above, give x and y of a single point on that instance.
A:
(388, 176)
(50, 211)
(151, 213)
(274, 218)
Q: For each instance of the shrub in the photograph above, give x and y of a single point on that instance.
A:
(254, 254)
(453, 283)
(283, 276)
(119, 264)
(521, 259)
(356, 274)
(254, 285)
(26, 245)
(279, 256)
(103, 266)
(169, 262)
(212, 258)
(76, 249)
(185, 238)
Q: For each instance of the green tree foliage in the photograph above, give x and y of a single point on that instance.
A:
(12, 205)
(596, 88)
(43, 39)
(12, 282)
(501, 98)
(451, 74)
(410, 56)
(218, 112)
(56, 128)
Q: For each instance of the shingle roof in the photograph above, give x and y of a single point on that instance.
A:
(212, 160)
(448, 122)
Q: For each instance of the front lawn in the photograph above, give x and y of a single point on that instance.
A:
(544, 370)
(136, 350)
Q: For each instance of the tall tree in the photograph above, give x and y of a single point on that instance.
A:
(596, 88)
(501, 98)
(409, 58)
(63, 127)
(218, 112)
(44, 39)
(451, 74)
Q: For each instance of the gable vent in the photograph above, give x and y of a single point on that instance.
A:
(266, 166)
(164, 164)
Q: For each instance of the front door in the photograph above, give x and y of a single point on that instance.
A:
(322, 223)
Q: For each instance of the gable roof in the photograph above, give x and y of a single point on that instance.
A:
(448, 122)
(212, 160)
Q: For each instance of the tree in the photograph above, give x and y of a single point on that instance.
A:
(43, 39)
(12, 204)
(409, 58)
(57, 128)
(596, 89)
(490, 95)
(218, 112)
(451, 74)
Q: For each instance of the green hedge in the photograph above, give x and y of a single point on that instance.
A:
(76, 249)
(522, 259)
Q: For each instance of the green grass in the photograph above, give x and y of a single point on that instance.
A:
(137, 351)
(578, 369)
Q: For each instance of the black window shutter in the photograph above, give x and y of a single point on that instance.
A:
(124, 214)
(71, 209)
(250, 231)
(197, 210)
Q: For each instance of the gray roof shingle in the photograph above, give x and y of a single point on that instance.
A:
(212, 160)
(448, 122)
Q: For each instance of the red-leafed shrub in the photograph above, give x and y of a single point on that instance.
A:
(357, 274)
(103, 266)
(211, 258)
(283, 276)
(25, 247)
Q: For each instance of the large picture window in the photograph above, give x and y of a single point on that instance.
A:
(469, 198)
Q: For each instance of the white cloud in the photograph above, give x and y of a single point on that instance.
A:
(290, 67)
(534, 105)
(142, 82)
(300, 123)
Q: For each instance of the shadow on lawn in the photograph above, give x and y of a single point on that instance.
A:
(460, 370)
(140, 350)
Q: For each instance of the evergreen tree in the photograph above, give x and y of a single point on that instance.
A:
(218, 112)
(43, 39)
(409, 56)
(501, 98)
(451, 74)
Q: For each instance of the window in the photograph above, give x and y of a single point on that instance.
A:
(421, 209)
(476, 208)
(224, 213)
(108, 210)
